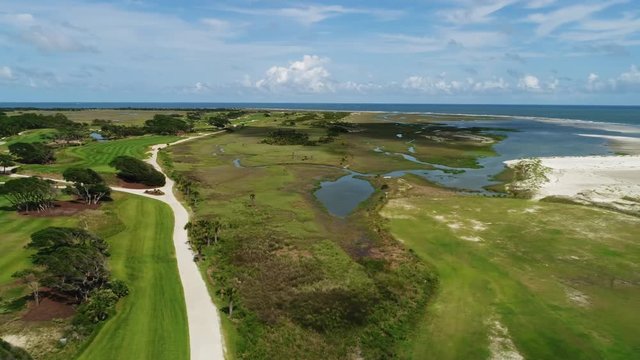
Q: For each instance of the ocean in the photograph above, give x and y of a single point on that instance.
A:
(607, 114)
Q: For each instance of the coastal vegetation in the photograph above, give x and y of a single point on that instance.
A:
(517, 267)
(387, 280)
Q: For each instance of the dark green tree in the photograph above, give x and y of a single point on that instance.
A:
(28, 194)
(219, 122)
(203, 232)
(32, 153)
(74, 261)
(134, 170)
(32, 278)
(6, 160)
(87, 184)
(166, 125)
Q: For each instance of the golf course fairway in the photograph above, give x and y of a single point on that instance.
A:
(151, 322)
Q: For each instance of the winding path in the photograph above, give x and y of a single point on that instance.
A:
(205, 337)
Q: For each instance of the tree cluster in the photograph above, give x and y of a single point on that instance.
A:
(188, 187)
(87, 184)
(112, 131)
(29, 194)
(203, 232)
(12, 125)
(32, 153)
(73, 261)
(166, 125)
(131, 169)
(287, 137)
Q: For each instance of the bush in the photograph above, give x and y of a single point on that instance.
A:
(119, 288)
(135, 170)
(32, 153)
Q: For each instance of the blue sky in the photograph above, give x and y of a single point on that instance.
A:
(419, 51)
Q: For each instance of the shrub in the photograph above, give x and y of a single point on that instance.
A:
(119, 288)
(135, 170)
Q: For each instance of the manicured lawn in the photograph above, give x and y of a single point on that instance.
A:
(29, 136)
(98, 155)
(151, 322)
(561, 279)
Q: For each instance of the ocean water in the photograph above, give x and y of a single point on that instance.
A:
(597, 113)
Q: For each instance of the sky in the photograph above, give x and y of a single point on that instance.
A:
(417, 51)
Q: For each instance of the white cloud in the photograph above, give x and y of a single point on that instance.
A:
(495, 85)
(549, 22)
(311, 14)
(537, 4)
(629, 80)
(443, 86)
(52, 40)
(529, 83)
(307, 75)
(6, 73)
(475, 11)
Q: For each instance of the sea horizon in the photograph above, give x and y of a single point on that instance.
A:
(625, 114)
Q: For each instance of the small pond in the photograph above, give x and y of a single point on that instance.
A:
(342, 196)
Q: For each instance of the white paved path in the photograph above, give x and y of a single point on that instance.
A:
(205, 336)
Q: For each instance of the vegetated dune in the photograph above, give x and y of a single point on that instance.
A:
(612, 181)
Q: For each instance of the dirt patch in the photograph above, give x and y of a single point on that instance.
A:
(132, 185)
(50, 308)
(62, 208)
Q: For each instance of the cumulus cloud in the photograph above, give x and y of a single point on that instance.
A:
(529, 83)
(628, 81)
(433, 86)
(442, 86)
(308, 75)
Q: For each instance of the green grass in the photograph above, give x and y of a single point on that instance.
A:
(533, 265)
(151, 322)
(29, 136)
(15, 232)
(98, 155)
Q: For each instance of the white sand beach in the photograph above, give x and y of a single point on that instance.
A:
(605, 180)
